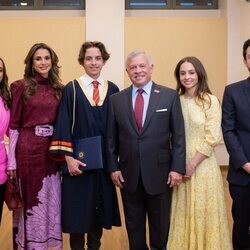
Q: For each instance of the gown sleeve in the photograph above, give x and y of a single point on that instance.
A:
(17, 90)
(212, 133)
(61, 143)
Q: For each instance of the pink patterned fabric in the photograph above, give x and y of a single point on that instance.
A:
(13, 137)
(43, 222)
(4, 124)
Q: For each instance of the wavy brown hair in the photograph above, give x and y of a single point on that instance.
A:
(4, 88)
(94, 44)
(202, 91)
(29, 76)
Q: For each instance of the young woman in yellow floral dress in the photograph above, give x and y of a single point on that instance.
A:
(198, 217)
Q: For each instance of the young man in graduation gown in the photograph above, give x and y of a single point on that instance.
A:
(89, 201)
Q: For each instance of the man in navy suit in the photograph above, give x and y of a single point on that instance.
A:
(236, 132)
(150, 149)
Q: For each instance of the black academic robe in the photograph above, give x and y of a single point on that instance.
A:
(89, 198)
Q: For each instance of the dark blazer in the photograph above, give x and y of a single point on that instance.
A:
(159, 148)
(236, 129)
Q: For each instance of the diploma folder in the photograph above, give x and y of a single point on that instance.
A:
(89, 151)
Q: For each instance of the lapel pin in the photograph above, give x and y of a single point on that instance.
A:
(157, 91)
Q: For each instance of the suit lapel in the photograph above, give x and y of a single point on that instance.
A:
(128, 96)
(152, 105)
(247, 89)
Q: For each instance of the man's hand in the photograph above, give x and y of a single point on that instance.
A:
(174, 179)
(117, 178)
(73, 165)
(246, 167)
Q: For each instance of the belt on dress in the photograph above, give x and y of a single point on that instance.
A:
(44, 130)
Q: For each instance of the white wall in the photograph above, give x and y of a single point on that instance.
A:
(105, 23)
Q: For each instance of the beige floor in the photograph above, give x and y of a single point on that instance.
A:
(115, 239)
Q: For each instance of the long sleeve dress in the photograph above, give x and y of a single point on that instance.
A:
(4, 124)
(198, 213)
(38, 224)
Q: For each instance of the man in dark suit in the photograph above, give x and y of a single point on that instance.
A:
(236, 131)
(146, 134)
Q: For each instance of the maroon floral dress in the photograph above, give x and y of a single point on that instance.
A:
(38, 225)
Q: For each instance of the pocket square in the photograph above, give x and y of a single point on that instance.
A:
(162, 110)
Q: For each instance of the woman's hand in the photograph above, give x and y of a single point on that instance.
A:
(11, 174)
(190, 169)
(194, 163)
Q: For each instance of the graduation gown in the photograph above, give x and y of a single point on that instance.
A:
(87, 199)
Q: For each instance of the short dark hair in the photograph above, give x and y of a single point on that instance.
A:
(92, 44)
(245, 47)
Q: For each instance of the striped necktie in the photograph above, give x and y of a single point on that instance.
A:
(96, 95)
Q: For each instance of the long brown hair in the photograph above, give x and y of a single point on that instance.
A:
(4, 87)
(202, 91)
(29, 76)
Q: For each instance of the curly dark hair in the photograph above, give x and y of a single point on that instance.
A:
(31, 83)
(202, 91)
(245, 47)
(94, 44)
(4, 87)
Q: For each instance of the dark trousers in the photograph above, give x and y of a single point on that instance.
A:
(2, 189)
(241, 216)
(139, 205)
(77, 241)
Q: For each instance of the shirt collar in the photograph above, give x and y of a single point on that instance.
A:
(87, 80)
(146, 88)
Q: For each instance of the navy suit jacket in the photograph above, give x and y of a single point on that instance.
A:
(236, 129)
(158, 149)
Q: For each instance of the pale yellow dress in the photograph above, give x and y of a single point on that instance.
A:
(198, 214)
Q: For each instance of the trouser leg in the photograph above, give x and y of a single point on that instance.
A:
(2, 189)
(158, 207)
(94, 238)
(241, 216)
(76, 241)
(135, 217)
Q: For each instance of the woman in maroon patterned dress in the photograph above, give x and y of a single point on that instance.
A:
(35, 100)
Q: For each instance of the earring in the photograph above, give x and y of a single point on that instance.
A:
(32, 71)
